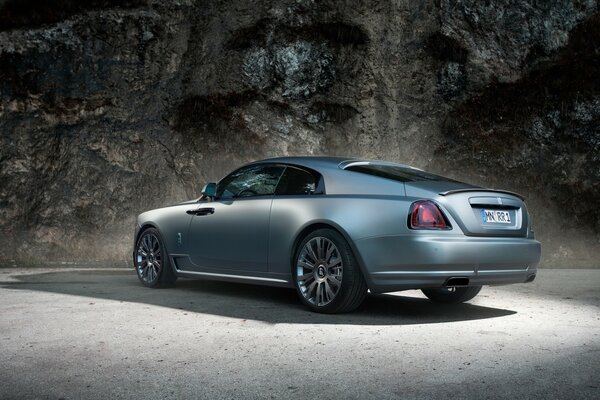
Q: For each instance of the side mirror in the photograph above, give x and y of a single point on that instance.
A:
(210, 190)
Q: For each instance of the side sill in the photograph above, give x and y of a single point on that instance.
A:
(184, 268)
(233, 276)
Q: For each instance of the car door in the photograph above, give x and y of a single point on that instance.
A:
(233, 231)
(295, 202)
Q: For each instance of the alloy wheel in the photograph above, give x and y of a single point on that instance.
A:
(149, 258)
(319, 271)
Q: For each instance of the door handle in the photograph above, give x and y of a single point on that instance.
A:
(201, 211)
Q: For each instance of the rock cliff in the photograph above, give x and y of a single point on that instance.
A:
(112, 107)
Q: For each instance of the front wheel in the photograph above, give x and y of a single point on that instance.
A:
(326, 274)
(152, 261)
(452, 295)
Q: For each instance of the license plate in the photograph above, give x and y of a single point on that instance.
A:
(495, 216)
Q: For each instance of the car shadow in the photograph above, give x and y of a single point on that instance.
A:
(249, 302)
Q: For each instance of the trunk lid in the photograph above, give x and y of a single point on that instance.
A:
(478, 211)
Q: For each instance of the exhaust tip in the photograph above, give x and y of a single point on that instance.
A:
(457, 281)
(530, 278)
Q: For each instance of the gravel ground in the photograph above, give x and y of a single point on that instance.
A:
(97, 333)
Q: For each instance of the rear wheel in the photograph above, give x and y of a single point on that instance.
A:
(152, 261)
(452, 295)
(326, 274)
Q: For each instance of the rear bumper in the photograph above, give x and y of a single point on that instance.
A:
(423, 260)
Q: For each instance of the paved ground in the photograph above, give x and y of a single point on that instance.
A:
(78, 334)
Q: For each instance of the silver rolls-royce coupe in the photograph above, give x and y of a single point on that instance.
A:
(335, 228)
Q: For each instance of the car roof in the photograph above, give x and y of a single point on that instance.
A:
(309, 161)
(339, 180)
(319, 162)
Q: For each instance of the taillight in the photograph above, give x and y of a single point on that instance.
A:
(425, 214)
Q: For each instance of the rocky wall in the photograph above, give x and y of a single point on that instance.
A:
(109, 108)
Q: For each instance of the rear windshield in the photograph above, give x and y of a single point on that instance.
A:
(396, 173)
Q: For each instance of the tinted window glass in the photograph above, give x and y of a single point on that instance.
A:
(296, 181)
(397, 173)
(255, 180)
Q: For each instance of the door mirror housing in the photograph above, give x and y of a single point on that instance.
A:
(209, 190)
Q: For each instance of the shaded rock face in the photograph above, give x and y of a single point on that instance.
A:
(504, 36)
(110, 108)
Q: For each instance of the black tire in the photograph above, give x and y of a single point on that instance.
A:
(351, 291)
(452, 295)
(159, 273)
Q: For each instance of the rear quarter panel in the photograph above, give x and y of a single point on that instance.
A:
(355, 216)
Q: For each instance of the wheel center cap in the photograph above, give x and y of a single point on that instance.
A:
(321, 272)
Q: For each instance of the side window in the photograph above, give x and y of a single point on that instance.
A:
(297, 181)
(256, 180)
